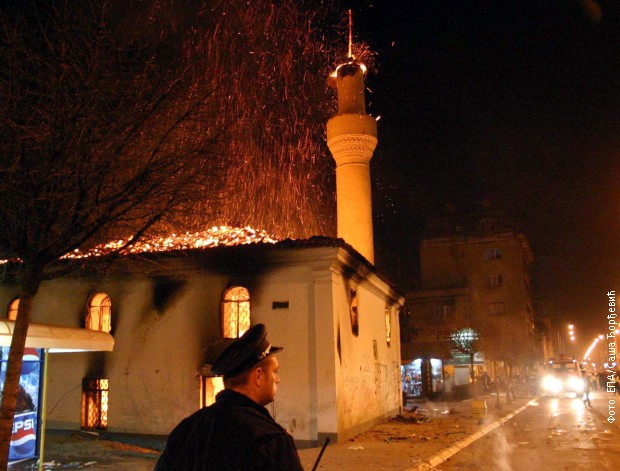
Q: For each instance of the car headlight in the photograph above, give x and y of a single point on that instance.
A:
(552, 384)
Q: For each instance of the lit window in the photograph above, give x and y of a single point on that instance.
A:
(492, 254)
(496, 309)
(95, 404)
(355, 324)
(210, 386)
(12, 313)
(388, 325)
(235, 312)
(99, 313)
(495, 281)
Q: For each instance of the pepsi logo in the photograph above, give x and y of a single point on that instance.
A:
(23, 438)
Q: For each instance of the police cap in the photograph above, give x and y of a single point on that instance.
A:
(244, 353)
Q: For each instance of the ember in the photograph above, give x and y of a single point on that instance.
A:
(223, 235)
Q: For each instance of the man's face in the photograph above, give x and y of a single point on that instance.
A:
(269, 380)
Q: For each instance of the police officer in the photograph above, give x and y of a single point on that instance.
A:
(236, 433)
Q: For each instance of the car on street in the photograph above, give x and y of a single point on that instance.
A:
(562, 375)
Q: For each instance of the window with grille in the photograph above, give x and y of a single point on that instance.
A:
(443, 335)
(99, 313)
(12, 312)
(439, 314)
(486, 225)
(495, 281)
(496, 309)
(235, 312)
(95, 404)
(492, 254)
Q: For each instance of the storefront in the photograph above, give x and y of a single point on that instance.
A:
(458, 368)
(29, 422)
(422, 378)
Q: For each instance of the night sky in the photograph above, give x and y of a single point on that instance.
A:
(516, 101)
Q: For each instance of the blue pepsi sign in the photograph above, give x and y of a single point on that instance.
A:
(25, 436)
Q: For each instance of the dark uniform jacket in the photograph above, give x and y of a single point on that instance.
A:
(234, 434)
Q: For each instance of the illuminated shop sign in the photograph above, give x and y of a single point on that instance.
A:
(25, 436)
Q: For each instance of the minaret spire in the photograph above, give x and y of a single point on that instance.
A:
(350, 55)
(352, 138)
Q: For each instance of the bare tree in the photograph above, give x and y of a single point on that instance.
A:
(104, 130)
(508, 339)
(120, 118)
(467, 340)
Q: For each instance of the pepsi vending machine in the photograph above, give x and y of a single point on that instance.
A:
(25, 441)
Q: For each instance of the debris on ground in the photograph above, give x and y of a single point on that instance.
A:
(71, 465)
(410, 419)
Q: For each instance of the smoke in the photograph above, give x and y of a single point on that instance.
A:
(502, 450)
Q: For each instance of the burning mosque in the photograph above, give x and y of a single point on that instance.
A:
(172, 308)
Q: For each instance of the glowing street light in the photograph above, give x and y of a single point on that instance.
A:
(596, 340)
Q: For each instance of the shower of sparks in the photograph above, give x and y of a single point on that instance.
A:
(259, 71)
(268, 65)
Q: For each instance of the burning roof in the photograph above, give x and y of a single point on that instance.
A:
(214, 237)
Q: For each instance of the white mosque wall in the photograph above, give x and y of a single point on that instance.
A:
(367, 367)
(332, 382)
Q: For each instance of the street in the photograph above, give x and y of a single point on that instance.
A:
(543, 434)
(552, 434)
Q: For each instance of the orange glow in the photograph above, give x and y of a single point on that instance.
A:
(216, 236)
(95, 404)
(223, 235)
(236, 312)
(99, 313)
(334, 74)
(13, 307)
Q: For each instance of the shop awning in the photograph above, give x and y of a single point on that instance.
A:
(59, 339)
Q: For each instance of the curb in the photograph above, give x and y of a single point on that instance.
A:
(447, 453)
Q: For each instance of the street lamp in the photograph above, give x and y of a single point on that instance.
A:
(596, 340)
(592, 347)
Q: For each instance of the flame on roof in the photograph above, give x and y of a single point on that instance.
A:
(216, 236)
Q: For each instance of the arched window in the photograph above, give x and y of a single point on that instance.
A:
(99, 313)
(12, 312)
(388, 324)
(235, 312)
(355, 322)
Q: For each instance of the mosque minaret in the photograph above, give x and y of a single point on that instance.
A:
(352, 138)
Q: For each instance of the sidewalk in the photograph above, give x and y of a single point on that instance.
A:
(433, 431)
(411, 441)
